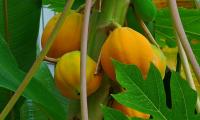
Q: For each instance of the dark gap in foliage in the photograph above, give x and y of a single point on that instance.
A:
(166, 82)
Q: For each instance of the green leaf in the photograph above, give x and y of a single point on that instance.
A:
(58, 5)
(23, 25)
(132, 21)
(31, 110)
(113, 114)
(190, 19)
(196, 50)
(41, 90)
(148, 95)
(191, 23)
(4, 97)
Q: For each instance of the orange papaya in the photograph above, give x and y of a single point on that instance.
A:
(129, 111)
(129, 47)
(68, 37)
(67, 75)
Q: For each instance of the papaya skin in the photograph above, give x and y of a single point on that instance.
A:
(129, 47)
(68, 38)
(129, 111)
(159, 60)
(67, 75)
(146, 9)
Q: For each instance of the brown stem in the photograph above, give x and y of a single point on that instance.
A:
(84, 39)
(98, 67)
(147, 32)
(5, 7)
(183, 38)
(51, 60)
(145, 29)
(82, 7)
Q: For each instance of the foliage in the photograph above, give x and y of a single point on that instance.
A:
(22, 29)
(196, 51)
(164, 28)
(58, 5)
(30, 110)
(148, 95)
(18, 52)
(11, 77)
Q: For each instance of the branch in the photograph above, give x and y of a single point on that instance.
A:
(144, 27)
(84, 39)
(187, 70)
(183, 38)
(37, 62)
(147, 32)
(51, 60)
(98, 67)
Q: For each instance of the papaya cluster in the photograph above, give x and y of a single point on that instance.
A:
(123, 44)
(66, 48)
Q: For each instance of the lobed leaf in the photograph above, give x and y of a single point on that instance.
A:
(148, 95)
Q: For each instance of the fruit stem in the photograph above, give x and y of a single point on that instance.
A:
(37, 62)
(5, 8)
(145, 29)
(116, 24)
(187, 70)
(183, 38)
(101, 23)
(81, 7)
(147, 32)
(51, 60)
(98, 67)
(84, 39)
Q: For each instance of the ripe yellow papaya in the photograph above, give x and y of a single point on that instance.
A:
(67, 75)
(129, 47)
(68, 38)
(159, 60)
(129, 111)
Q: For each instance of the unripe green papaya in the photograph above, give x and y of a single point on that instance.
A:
(133, 23)
(146, 9)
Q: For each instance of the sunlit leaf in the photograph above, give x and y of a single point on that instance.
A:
(148, 95)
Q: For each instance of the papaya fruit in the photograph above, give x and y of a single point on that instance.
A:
(133, 23)
(69, 36)
(146, 9)
(67, 75)
(159, 60)
(129, 47)
(129, 111)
